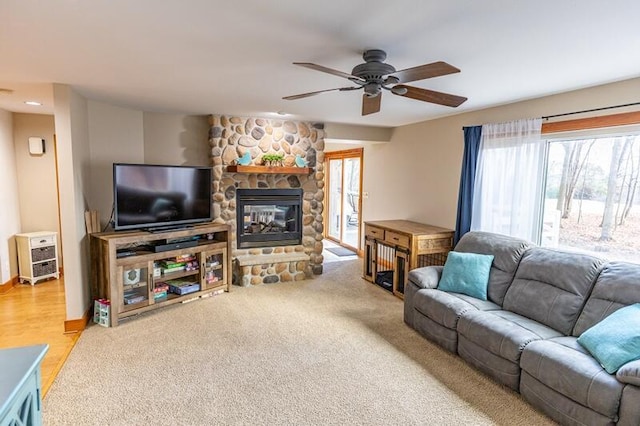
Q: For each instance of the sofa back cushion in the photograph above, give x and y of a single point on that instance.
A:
(551, 286)
(507, 252)
(617, 286)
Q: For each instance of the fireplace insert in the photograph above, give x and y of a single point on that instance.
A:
(268, 217)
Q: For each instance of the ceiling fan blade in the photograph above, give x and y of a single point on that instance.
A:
(429, 96)
(371, 104)
(317, 92)
(422, 72)
(328, 70)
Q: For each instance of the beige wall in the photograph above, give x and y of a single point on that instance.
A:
(9, 200)
(349, 133)
(416, 175)
(115, 136)
(122, 135)
(37, 187)
(176, 139)
(74, 177)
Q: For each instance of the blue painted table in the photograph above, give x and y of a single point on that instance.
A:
(20, 389)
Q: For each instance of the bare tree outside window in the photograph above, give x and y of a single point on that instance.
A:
(591, 196)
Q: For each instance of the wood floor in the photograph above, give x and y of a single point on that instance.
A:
(31, 315)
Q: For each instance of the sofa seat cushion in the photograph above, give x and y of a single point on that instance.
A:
(563, 365)
(502, 333)
(446, 308)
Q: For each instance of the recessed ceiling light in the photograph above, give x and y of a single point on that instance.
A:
(34, 103)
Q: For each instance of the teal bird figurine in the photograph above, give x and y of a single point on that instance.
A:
(245, 160)
(300, 162)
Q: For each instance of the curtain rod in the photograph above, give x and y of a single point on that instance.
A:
(590, 110)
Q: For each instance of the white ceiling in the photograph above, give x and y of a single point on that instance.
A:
(235, 57)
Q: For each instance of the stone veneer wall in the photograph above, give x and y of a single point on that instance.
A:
(231, 138)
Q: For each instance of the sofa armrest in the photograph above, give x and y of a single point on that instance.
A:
(426, 277)
(629, 373)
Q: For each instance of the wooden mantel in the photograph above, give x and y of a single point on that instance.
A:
(269, 170)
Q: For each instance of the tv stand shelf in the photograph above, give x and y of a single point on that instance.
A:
(134, 283)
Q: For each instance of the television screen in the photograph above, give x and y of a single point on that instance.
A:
(157, 196)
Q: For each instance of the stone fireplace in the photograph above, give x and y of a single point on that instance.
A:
(238, 140)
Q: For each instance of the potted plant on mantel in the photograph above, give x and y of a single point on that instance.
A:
(272, 160)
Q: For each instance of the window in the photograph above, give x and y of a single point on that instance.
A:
(591, 197)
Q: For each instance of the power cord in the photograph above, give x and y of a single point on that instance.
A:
(110, 221)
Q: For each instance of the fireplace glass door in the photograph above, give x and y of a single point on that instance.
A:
(269, 217)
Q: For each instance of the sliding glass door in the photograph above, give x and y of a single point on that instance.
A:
(344, 173)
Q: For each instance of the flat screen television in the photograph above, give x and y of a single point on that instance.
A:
(152, 197)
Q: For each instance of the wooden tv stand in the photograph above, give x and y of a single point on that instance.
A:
(128, 269)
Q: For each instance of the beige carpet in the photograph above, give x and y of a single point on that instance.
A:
(332, 350)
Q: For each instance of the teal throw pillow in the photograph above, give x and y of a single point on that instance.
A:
(615, 340)
(466, 273)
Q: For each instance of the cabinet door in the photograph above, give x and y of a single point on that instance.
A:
(135, 284)
(369, 264)
(24, 408)
(213, 266)
(401, 274)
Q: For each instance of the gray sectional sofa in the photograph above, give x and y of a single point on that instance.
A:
(539, 301)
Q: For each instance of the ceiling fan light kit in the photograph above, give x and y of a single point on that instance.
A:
(374, 76)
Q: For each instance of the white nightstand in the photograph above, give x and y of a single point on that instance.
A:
(37, 256)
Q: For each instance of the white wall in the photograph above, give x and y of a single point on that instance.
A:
(9, 200)
(176, 139)
(416, 175)
(37, 180)
(74, 177)
(115, 136)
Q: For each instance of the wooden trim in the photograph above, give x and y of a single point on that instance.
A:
(9, 285)
(269, 170)
(59, 236)
(347, 153)
(622, 119)
(342, 155)
(77, 325)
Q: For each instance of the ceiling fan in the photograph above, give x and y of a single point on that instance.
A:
(374, 75)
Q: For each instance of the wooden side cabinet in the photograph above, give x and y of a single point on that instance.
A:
(141, 271)
(37, 256)
(394, 247)
(20, 386)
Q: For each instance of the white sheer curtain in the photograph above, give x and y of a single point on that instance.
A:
(507, 197)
